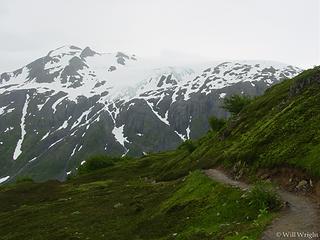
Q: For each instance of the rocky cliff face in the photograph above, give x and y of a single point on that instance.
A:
(74, 102)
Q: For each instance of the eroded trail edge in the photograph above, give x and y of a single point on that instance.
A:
(301, 220)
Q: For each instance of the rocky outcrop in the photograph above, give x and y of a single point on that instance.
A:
(304, 80)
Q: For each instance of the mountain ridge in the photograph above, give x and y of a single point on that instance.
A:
(112, 103)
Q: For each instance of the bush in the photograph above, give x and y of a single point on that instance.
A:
(216, 124)
(235, 103)
(23, 179)
(263, 196)
(188, 145)
(95, 163)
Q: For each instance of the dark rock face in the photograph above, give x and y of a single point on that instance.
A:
(87, 52)
(302, 83)
(70, 73)
(4, 77)
(112, 68)
(38, 73)
(166, 80)
(121, 58)
(67, 112)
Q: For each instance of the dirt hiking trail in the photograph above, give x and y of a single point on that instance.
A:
(301, 220)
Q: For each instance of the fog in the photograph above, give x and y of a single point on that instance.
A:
(184, 31)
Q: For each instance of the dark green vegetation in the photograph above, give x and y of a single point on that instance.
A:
(119, 202)
(263, 196)
(236, 103)
(164, 195)
(216, 124)
(24, 179)
(97, 162)
(188, 145)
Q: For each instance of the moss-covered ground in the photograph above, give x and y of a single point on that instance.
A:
(121, 203)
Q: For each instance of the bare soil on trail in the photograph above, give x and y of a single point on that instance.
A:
(300, 220)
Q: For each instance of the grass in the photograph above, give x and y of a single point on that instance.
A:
(263, 196)
(119, 206)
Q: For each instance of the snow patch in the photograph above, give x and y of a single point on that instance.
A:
(222, 95)
(123, 155)
(84, 116)
(56, 142)
(2, 110)
(162, 119)
(74, 150)
(180, 135)
(33, 159)
(10, 110)
(3, 179)
(54, 106)
(188, 132)
(119, 135)
(45, 136)
(64, 125)
(40, 106)
(188, 128)
(18, 150)
(8, 129)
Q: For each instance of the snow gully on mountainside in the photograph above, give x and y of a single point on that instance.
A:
(18, 149)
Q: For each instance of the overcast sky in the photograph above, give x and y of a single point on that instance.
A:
(281, 30)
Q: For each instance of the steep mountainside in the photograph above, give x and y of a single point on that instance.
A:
(76, 102)
(278, 132)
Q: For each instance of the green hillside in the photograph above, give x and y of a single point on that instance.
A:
(118, 203)
(165, 195)
(280, 128)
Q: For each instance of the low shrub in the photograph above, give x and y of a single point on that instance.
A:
(96, 162)
(216, 124)
(23, 179)
(236, 103)
(263, 196)
(188, 145)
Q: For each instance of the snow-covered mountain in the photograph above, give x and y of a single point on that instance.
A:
(74, 102)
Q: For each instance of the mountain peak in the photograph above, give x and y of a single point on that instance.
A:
(87, 52)
(65, 50)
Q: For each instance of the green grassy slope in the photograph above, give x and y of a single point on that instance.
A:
(119, 203)
(280, 128)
